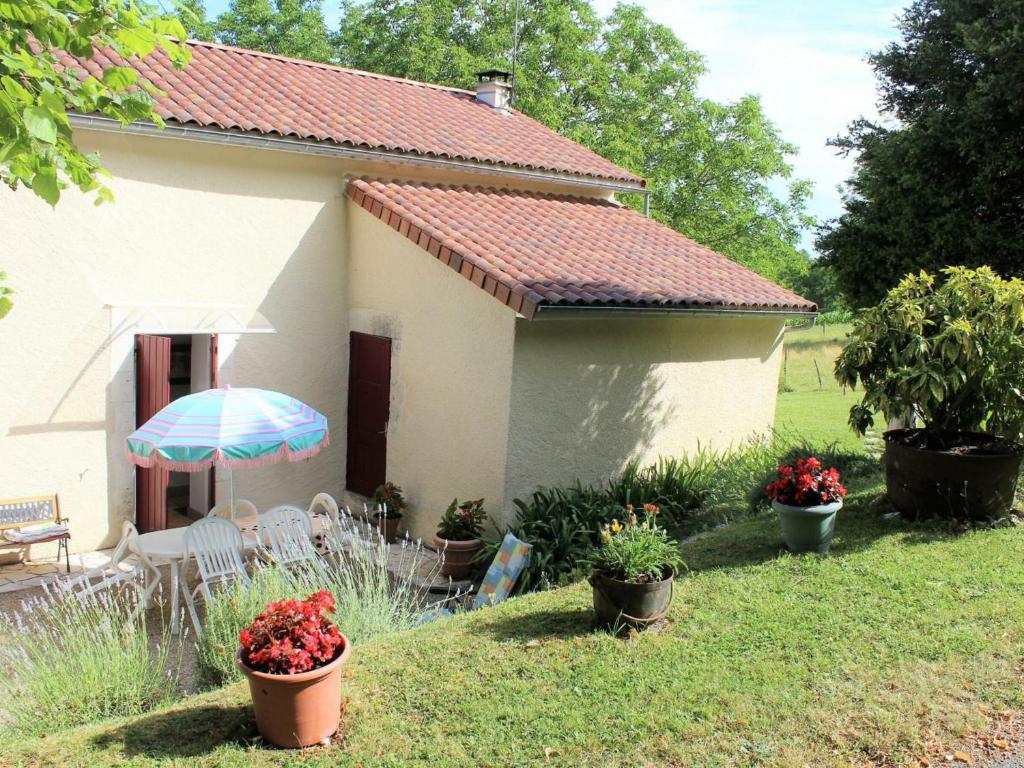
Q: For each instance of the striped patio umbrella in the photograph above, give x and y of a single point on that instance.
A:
(229, 427)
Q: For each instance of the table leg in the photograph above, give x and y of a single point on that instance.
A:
(151, 582)
(175, 606)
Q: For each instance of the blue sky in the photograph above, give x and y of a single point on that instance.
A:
(804, 58)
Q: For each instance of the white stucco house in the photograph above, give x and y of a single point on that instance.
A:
(451, 283)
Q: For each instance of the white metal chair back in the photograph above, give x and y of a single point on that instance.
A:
(121, 568)
(325, 502)
(217, 546)
(324, 540)
(241, 508)
(287, 532)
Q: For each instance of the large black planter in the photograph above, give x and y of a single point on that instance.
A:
(623, 602)
(924, 483)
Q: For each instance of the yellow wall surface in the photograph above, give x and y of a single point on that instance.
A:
(192, 224)
(451, 364)
(591, 393)
(482, 403)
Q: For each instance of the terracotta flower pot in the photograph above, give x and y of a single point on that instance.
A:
(633, 604)
(297, 710)
(388, 527)
(458, 556)
(808, 529)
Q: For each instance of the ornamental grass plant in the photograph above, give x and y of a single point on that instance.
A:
(70, 659)
(373, 585)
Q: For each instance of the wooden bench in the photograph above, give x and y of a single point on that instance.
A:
(16, 514)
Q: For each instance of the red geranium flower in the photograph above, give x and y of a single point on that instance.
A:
(292, 636)
(805, 484)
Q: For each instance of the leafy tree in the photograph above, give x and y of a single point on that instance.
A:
(192, 15)
(818, 282)
(624, 86)
(285, 27)
(945, 184)
(37, 148)
(950, 353)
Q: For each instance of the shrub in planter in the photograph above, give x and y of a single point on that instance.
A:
(948, 355)
(292, 655)
(458, 536)
(807, 498)
(389, 501)
(633, 570)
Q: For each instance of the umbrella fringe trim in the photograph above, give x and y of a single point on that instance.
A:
(155, 459)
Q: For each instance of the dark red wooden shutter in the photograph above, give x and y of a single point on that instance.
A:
(214, 383)
(369, 407)
(152, 392)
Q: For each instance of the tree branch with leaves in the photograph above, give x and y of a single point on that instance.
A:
(39, 39)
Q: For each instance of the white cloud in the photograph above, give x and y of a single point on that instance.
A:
(805, 59)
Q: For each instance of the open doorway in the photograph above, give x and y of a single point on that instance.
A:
(167, 368)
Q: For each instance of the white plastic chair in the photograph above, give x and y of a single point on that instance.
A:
(111, 573)
(217, 546)
(286, 531)
(327, 502)
(228, 511)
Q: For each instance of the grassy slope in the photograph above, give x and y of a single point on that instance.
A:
(815, 409)
(768, 660)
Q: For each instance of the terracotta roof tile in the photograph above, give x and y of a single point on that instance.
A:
(557, 250)
(236, 89)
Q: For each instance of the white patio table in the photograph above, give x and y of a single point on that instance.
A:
(167, 547)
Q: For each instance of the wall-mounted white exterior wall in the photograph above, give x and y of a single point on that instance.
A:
(451, 364)
(482, 404)
(192, 224)
(591, 393)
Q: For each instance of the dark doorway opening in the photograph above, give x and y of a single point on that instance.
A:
(369, 408)
(169, 367)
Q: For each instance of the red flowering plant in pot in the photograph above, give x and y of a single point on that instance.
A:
(390, 501)
(458, 537)
(292, 655)
(807, 498)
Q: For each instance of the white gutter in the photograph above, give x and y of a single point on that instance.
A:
(313, 147)
(551, 310)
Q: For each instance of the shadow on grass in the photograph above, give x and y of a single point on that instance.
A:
(758, 539)
(187, 732)
(546, 624)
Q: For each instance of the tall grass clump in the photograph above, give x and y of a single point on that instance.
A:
(372, 598)
(70, 659)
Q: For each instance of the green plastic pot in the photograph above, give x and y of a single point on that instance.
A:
(808, 529)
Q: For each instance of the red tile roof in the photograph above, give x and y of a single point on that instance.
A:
(233, 88)
(530, 250)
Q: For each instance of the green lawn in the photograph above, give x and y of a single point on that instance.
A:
(812, 406)
(902, 633)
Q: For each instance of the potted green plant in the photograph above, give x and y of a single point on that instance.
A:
(633, 570)
(947, 359)
(807, 498)
(390, 501)
(458, 537)
(292, 655)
